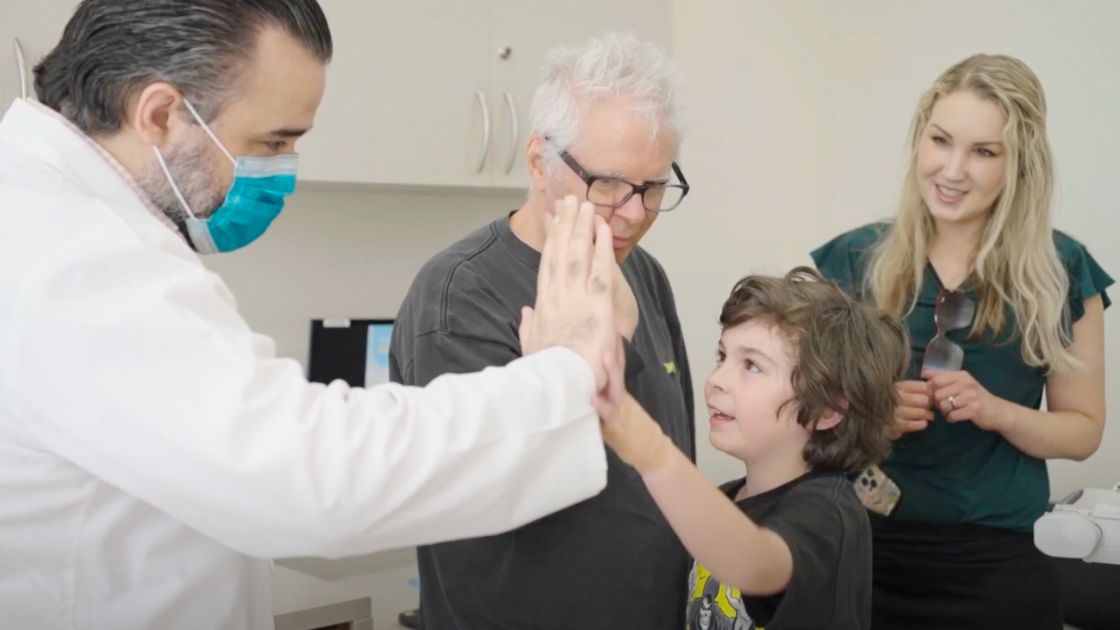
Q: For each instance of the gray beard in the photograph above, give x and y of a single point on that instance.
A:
(189, 165)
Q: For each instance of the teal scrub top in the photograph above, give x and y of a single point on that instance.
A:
(959, 473)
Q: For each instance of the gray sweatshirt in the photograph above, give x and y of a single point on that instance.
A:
(609, 562)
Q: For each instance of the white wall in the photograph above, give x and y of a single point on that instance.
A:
(798, 114)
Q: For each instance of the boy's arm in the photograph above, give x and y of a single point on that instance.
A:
(717, 534)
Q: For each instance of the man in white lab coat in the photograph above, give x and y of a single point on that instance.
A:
(152, 447)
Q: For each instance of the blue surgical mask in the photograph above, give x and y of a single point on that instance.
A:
(256, 197)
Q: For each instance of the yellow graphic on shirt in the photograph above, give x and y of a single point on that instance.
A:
(722, 599)
(670, 367)
(714, 606)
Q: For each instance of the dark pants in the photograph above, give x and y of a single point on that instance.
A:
(932, 576)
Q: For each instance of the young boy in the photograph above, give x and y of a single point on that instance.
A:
(803, 394)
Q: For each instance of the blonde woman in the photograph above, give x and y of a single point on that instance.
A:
(1001, 307)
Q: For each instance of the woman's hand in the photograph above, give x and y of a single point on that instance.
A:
(915, 408)
(960, 397)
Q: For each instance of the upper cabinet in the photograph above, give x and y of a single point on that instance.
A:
(437, 93)
(419, 92)
(407, 100)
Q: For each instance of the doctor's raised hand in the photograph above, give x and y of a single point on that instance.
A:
(156, 450)
(575, 289)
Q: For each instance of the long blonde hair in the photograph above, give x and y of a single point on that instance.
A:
(1017, 263)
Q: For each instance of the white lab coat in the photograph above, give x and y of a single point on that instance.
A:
(152, 446)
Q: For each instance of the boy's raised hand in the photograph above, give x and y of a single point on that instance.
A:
(630, 432)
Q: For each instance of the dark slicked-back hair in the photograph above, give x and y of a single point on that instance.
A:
(110, 49)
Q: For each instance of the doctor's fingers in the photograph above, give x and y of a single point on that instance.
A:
(581, 245)
(570, 231)
(558, 229)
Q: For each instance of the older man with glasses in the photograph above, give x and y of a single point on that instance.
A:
(604, 131)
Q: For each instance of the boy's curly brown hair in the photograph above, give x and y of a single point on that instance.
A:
(848, 357)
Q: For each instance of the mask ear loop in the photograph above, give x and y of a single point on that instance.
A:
(199, 236)
(210, 133)
(171, 180)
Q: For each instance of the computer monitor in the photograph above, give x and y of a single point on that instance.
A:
(354, 350)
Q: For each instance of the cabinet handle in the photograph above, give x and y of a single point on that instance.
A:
(485, 111)
(514, 132)
(21, 67)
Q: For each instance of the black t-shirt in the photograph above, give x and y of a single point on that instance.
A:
(609, 562)
(819, 516)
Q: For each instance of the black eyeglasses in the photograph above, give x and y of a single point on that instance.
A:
(613, 192)
(953, 311)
